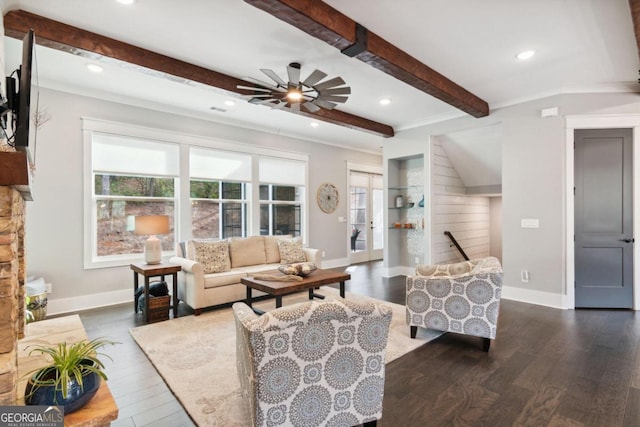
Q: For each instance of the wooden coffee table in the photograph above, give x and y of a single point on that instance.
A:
(278, 289)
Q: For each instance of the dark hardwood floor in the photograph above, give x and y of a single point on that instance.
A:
(547, 367)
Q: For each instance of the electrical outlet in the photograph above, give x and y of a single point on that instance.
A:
(324, 254)
(47, 288)
(524, 276)
(417, 260)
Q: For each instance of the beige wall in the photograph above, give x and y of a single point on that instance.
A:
(533, 177)
(55, 217)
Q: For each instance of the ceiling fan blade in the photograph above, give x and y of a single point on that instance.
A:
(261, 95)
(325, 104)
(311, 107)
(262, 101)
(332, 98)
(253, 88)
(279, 105)
(263, 84)
(337, 91)
(273, 76)
(295, 107)
(314, 78)
(336, 81)
(294, 74)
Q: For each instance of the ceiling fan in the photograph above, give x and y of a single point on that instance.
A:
(310, 93)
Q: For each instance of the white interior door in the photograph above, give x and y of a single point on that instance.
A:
(365, 216)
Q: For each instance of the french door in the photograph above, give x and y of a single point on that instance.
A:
(365, 231)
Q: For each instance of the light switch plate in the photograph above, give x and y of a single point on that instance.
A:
(530, 223)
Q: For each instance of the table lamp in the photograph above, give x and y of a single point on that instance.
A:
(152, 225)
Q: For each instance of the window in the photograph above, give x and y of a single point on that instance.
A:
(209, 189)
(130, 177)
(219, 207)
(281, 196)
(280, 210)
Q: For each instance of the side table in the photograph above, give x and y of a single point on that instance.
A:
(155, 270)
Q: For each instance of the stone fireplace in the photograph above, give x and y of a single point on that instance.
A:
(12, 290)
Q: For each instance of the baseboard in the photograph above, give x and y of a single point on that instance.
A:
(398, 271)
(335, 263)
(87, 302)
(534, 297)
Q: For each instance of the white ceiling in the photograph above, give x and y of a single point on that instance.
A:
(582, 46)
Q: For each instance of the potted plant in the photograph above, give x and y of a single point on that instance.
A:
(71, 379)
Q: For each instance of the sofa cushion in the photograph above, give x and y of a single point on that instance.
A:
(262, 268)
(247, 251)
(291, 250)
(271, 248)
(224, 278)
(214, 256)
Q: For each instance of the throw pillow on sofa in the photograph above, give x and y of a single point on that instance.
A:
(291, 251)
(214, 256)
(271, 248)
(247, 251)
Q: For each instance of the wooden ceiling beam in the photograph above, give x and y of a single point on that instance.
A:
(333, 27)
(60, 36)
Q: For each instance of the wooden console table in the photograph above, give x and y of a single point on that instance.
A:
(101, 409)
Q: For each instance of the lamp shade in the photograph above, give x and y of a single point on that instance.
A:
(152, 224)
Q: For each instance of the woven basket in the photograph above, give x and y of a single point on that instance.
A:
(159, 302)
(38, 306)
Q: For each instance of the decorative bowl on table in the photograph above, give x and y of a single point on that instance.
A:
(302, 269)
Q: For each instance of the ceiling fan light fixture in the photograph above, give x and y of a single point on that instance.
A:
(310, 94)
(294, 94)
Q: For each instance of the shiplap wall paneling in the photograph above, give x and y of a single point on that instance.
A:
(466, 217)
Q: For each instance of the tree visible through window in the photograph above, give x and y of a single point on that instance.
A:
(120, 198)
(218, 209)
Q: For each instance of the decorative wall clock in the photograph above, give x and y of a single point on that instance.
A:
(328, 197)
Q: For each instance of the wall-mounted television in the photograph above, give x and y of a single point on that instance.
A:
(16, 111)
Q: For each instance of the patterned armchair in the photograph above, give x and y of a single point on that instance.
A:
(463, 297)
(313, 363)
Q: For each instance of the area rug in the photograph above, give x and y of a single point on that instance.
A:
(196, 357)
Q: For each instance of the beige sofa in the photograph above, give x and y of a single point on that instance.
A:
(246, 256)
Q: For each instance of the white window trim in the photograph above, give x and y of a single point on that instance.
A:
(183, 208)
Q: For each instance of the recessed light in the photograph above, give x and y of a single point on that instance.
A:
(94, 68)
(229, 103)
(385, 101)
(127, 2)
(525, 54)
(314, 124)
